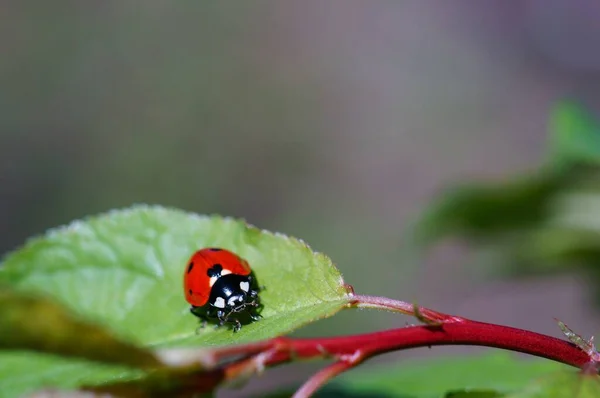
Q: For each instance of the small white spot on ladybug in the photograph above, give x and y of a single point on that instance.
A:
(245, 286)
(219, 302)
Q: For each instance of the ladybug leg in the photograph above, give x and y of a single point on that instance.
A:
(222, 317)
(255, 311)
(201, 327)
(255, 299)
(256, 317)
(238, 325)
(258, 306)
(197, 311)
(203, 323)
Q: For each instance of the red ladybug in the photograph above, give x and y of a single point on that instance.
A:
(221, 287)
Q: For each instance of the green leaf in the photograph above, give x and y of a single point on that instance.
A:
(124, 270)
(574, 135)
(567, 239)
(165, 382)
(485, 210)
(24, 372)
(500, 372)
(560, 385)
(36, 323)
(341, 392)
(328, 392)
(481, 211)
(474, 394)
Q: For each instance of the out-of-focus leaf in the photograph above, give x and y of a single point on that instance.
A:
(574, 135)
(171, 382)
(544, 222)
(124, 270)
(24, 372)
(569, 237)
(327, 392)
(561, 385)
(474, 394)
(483, 211)
(500, 373)
(480, 211)
(54, 393)
(340, 392)
(37, 323)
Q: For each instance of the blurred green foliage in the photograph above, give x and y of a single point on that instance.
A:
(574, 135)
(548, 221)
(500, 373)
(491, 375)
(30, 321)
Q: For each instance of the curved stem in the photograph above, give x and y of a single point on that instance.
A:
(457, 333)
(235, 362)
(322, 377)
(350, 350)
(384, 303)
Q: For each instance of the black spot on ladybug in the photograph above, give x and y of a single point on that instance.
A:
(215, 249)
(190, 291)
(190, 267)
(215, 271)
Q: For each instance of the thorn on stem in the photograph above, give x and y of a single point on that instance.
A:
(421, 317)
(586, 346)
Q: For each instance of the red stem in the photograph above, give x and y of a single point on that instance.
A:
(403, 307)
(241, 361)
(457, 333)
(322, 377)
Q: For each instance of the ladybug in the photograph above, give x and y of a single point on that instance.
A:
(221, 286)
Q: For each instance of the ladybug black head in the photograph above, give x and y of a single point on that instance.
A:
(232, 293)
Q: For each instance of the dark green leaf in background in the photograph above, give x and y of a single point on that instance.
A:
(435, 378)
(544, 221)
(474, 394)
(574, 135)
(561, 385)
(482, 211)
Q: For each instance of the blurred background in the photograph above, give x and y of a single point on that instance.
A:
(335, 122)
